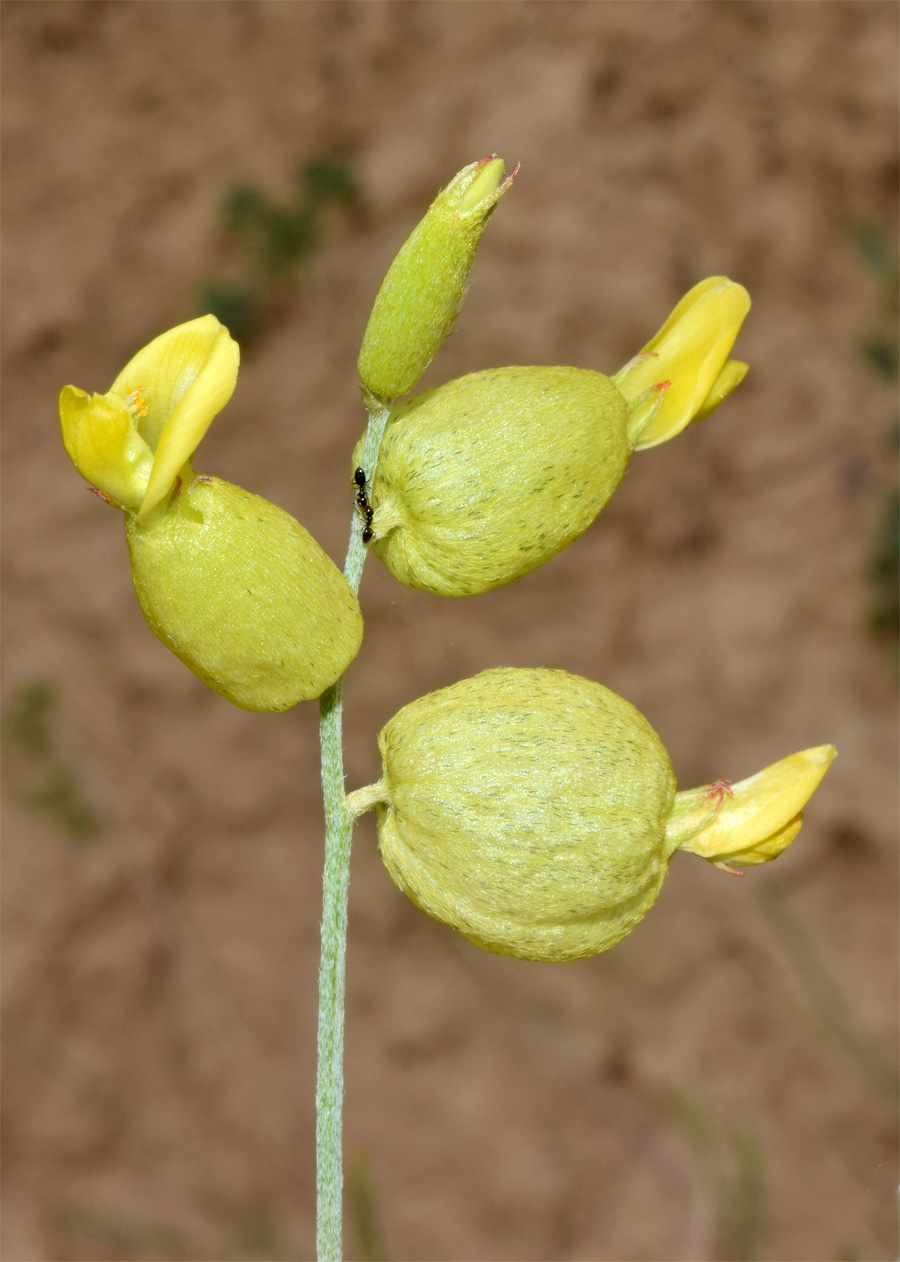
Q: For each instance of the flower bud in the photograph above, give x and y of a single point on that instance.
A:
(535, 811)
(244, 596)
(488, 476)
(689, 357)
(424, 286)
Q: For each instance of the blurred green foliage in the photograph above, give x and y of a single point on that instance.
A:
(273, 240)
(742, 1201)
(130, 1237)
(40, 779)
(884, 569)
(881, 349)
(823, 993)
(735, 1182)
(878, 251)
(362, 1210)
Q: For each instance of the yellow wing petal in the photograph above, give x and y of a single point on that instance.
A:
(103, 444)
(727, 381)
(771, 848)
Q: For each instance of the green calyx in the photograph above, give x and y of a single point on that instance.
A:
(243, 595)
(488, 476)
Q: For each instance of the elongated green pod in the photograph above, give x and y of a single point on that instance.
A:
(244, 596)
(488, 476)
(535, 811)
(424, 286)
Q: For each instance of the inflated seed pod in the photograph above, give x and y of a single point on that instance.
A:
(488, 476)
(535, 811)
(244, 596)
(234, 586)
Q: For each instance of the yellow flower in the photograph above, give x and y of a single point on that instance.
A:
(235, 587)
(535, 811)
(133, 441)
(684, 373)
(741, 825)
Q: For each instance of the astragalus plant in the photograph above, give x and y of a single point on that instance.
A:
(534, 811)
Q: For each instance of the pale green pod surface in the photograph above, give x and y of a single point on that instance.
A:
(421, 293)
(490, 475)
(244, 596)
(527, 809)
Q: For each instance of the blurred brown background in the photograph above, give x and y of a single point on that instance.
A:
(721, 1085)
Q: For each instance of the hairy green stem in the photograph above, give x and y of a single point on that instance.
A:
(336, 880)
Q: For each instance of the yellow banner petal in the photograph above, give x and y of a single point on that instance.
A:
(211, 387)
(689, 351)
(164, 370)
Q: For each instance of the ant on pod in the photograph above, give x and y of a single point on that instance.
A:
(362, 503)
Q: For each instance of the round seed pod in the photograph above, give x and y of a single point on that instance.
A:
(490, 475)
(527, 809)
(244, 596)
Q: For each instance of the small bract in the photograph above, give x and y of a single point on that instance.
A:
(536, 812)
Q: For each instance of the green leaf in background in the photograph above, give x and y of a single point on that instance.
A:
(273, 240)
(38, 777)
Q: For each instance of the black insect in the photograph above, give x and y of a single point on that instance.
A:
(362, 503)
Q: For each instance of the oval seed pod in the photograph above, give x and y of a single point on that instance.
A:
(535, 811)
(488, 476)
(234, 586)
(526, 808)
(244, 596)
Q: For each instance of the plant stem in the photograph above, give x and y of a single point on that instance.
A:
(336, 880)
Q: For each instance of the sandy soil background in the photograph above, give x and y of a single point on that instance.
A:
(719, 1086)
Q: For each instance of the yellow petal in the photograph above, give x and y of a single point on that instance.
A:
(488, 176)
(168, 367)
(765, 850)
(690, 352)
(758, 817)
(211, 384)
(104, 445)
(727, 381)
